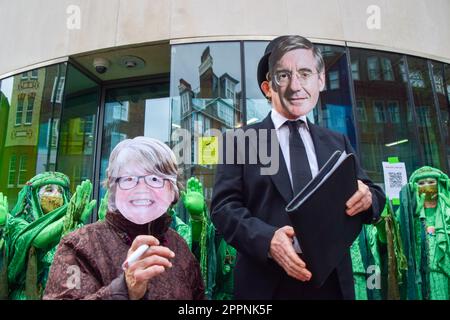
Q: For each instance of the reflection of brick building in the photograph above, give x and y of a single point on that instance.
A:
(335, 111)
(4, 110)
(27, 137)
(383, 112)
(215, 105)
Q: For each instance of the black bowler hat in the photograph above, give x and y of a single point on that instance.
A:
(263, 65)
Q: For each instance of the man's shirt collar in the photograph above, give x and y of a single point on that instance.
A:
(278, 119)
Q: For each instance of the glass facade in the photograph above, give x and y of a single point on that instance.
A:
(334, 109)
(385, 119)
(427, 113)
(77, 134)
(59, 118)
(142, 110)
(30, 109)
(206, 92)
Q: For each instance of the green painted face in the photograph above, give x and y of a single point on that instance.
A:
(428, 186)
(50, 197)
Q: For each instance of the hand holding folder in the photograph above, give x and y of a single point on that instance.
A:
(317, 213)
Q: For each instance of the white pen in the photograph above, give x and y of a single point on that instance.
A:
(135, 256)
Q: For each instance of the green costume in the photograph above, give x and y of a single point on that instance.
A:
(366, 264)
(217, 258)
(202, 233)
(34, 227)
(359, 270)
(377, 252)
(424, 219)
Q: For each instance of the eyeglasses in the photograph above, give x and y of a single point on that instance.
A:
(283, 78)
(129, 182)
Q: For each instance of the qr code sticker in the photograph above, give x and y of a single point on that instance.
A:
(395, 180)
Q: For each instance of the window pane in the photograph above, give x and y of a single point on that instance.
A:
(388, 73)
(22, 171)
(26, 127)
(205, 87)
(386, 127)
(446, 118)
(428, 125)
(355, 70)
(30, 105)
(373, 68)
(442, 83)
(77, 139)
(334, 109)
(134, 111)
(257, 105)
(12, 170)
(19, 110)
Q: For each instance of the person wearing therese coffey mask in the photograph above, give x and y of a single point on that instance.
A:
(89, 263)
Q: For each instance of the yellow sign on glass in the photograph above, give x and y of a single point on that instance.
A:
(208, 150)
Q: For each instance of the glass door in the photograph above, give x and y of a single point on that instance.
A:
(131, 111)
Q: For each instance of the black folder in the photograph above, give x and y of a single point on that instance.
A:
(325, 232)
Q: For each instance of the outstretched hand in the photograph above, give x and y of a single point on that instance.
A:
(283, 252)
(193, 198)
(103, 207)
(79, 208)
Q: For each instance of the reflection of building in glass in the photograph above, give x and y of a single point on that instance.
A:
(214, 105)
(334, 109)
(382, 111)
(77, 137)
(30, 135)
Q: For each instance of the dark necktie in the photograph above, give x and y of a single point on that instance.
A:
(300, 170)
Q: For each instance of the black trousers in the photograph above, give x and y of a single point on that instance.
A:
(292, 289)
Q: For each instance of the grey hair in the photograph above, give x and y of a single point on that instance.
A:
(152, 155)
(294, 42)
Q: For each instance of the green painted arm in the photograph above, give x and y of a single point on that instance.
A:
(194, 202)
(181, 228)
(49, 236)
(79, 208)
(103, 207)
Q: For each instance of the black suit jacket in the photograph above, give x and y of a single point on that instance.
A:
(247, 208)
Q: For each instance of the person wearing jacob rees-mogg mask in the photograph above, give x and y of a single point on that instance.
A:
(248, 208)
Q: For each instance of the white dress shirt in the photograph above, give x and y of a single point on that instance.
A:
(283, 139)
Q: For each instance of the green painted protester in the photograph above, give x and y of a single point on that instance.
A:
(217, 258)
(366, 264)
(424, 221)
(378, 259)
(202, 232)
(32, 230)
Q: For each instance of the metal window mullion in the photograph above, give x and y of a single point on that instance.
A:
(414, 114)
(97, 151)
(243, 85)
(438, 111)
(351, 84)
